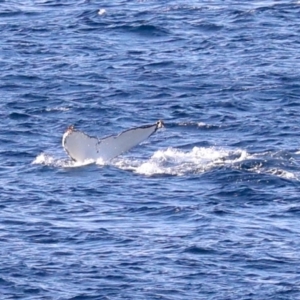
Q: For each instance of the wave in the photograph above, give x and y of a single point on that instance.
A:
(198, 160)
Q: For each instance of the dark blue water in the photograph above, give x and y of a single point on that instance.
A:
(207, 208)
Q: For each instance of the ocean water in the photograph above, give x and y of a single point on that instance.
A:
(208, 207)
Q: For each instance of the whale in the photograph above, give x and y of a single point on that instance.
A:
(81, 147)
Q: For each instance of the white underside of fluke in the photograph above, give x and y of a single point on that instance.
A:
(81, 147)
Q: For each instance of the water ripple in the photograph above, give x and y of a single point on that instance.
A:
(207, 208)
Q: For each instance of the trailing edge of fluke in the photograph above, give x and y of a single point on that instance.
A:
(80, 146)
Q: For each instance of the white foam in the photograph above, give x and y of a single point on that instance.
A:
(100, 162)
(259, 169)
(43, 159)
(101, 12)
(283, 174)
(179, 162)
(49, 160)
(53, 109)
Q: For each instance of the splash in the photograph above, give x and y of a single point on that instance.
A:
(101, 12)
(199, 160)
(49, 160)
(178, 162)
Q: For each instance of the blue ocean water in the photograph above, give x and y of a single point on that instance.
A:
(208, 207)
